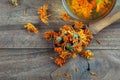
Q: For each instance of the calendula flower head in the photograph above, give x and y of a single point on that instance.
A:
(49, 35)
(60, 61)
(87, 54)
(65, 16)
(42, 11)
(30, 27)
(69, 41)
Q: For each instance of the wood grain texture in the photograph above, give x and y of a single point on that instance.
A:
(18, 37)
(12, 16)
(106, 64)
(26, 56)
(35, 64)
(13, 35)
(96, 27)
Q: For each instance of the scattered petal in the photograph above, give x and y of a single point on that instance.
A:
(30, 27)
(65, 16)
(67, 75)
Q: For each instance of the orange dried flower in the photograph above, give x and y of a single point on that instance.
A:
(65, 16)
(74, 55)
(86, 42)
(90, 9)
(78, 25)
(75, 40)
(78, 47)
(60, 61)
(65, 38)
(49, 35)
(83, 7)
(103, 5)
(31, 27)
(88, 33)
(66, 29)
(69, 41)
(88, 54)
(43, 13)
(58, 49)
(64, 54)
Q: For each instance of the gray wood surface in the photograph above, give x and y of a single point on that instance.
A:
(35, 64)
(26, 56)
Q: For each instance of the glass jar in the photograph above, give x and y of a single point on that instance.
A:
(88, 10)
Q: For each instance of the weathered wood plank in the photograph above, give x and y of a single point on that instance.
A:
(26, 64)
(18, 37)
(106, 64)
(35, 64)
(14, 16)
(11, 16)
(25, 56)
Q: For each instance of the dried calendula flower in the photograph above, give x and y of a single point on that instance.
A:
(69, 41)
(65, 16)
(78, 25)
(49, 35)
(58, 49)
(73, 55)
(14, 2)
(82, 7)
(60, 61)
(87, 54)
(67, 75)
(42, 11)
(31, 27)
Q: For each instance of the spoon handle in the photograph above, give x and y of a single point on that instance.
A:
(103, 23)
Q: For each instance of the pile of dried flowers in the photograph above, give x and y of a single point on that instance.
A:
(69, 41)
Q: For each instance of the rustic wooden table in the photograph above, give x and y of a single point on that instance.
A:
(25, 56)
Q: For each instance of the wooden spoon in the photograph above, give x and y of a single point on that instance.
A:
(103, 23)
